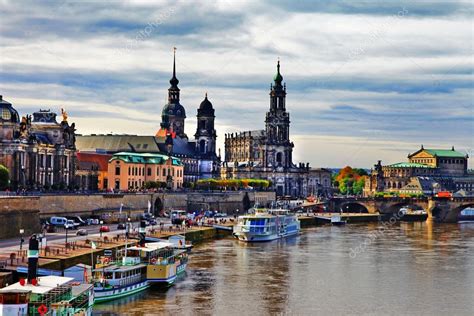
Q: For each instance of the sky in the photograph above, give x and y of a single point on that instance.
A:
(366, 80)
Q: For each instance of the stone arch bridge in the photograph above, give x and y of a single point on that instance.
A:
(442, 209)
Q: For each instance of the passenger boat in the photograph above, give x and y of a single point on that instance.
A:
(410, 215)
(266, 225)
(116, 280)
(466, 215)
(337, 220)
(47, 295)
(164, 262)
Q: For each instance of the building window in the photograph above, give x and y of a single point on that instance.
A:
(149, 172)
(117, 171)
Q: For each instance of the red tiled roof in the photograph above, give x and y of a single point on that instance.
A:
(102, 160)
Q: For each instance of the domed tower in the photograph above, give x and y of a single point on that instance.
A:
(174, 114)
(9, 120)
(205, 133)
(277, 126)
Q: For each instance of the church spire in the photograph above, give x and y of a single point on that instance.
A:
(174, 81)
(278, 78)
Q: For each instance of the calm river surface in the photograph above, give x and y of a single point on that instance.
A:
(406, 269)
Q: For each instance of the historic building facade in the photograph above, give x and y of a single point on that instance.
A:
(133, 170)
(198, 155)
(268, 153)
(38, 151)
(427, 172)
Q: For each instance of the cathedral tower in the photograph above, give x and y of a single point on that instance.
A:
(174, 114)
(205, 133)
(277, 126)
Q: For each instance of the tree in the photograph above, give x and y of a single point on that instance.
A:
(4, 177)
(350, 180)
(246, 202)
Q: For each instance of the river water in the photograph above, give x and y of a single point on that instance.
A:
(359, 269)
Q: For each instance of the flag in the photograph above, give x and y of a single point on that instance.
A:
(149, 206)
(121, 206)
(93, 245)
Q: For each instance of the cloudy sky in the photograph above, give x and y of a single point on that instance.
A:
(366, 80)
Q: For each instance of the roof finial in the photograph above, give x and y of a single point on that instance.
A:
(174, 81)
(422, 146)
(206, 94)
(452, 148)
(174, 61)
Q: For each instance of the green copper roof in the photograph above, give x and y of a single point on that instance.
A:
(145, 158)
(278, 78)
(445, 153)
(409, 165)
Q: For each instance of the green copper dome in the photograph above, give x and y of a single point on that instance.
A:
(278, 78)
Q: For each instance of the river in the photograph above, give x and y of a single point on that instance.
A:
(360, 269)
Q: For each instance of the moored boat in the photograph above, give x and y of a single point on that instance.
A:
(116, 280)
(164, 263)
(266, 225)
(410, 215)
(466, 215)
(337, 220)
(47, 295)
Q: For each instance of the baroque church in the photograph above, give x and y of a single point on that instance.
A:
(268, 154)
(198, 155)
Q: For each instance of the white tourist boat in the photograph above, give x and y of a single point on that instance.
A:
(116, 280)
(266, 225)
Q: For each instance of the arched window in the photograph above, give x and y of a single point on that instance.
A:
(278, 157)
(202, 146)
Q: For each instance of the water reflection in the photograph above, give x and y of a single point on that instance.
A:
(409, 268)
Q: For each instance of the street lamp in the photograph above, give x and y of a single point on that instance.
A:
(22, 231)
(127, 224)
(66, 226)
(100, 228)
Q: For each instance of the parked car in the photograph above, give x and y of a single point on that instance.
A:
(78, 219)
(104, 229)
(93, 221)
(152, 222)
(121, 226)
(220, 215)
(71, 224)
(82, 232)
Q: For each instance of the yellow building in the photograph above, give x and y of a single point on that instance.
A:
(448, 162)
(130, 171)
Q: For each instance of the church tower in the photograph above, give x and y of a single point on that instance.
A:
(174, 114)
(279, 149)
(205, 133)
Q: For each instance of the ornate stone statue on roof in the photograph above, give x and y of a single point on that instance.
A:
(64, 114)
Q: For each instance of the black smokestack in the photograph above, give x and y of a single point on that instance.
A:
(33, 254)
(142, 233)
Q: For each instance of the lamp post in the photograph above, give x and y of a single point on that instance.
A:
(127, 227)
(100, 228)
(22, 231)
(66, 226)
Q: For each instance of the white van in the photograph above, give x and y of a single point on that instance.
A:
(58, 221)
(62, 221)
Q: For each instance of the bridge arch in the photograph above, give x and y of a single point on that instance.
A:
(353, 207)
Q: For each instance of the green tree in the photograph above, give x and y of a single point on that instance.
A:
(246, 202)
(4, 177)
